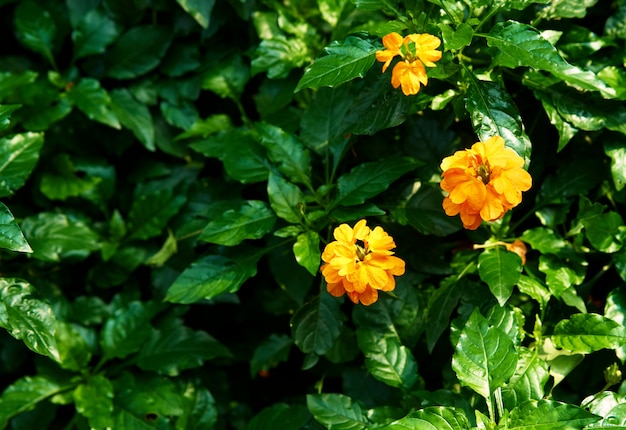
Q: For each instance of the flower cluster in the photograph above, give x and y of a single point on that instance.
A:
(416, 51)
(360, 262)
(483, 182)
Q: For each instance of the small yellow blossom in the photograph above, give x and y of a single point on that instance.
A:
(360, 262)
(416, 51)
(483, 182)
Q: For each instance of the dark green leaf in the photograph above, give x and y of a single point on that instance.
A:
(387, 359)
(534, 289)
(133, 115)
(18, 156)
(127, 330)
(94, 401)
(344, 61)
(24, 394)
(174, 348)
(211, 276)
(280, 416)
(5, 115)
(286, 152)
(316, 325)
(150, 212)
(605, 232)
(549, 414)
(617, 152)
(586, 333)
(529, 380)
(285, 198)
(336, 411)
(11, 237)
(227, 78)
(54, 236)
(432, 418)
(577, 177)
(494, 113)
(369, 179)
(440, 306)
(278, 56)
(137, 51)
(500, 269)
(323, 124)
(93, 33)
(74, 349)
(200, 409)
(485, 357)
(28, 317)
(306, 249)
(35, 28)
(252, 220)
(94, 101)
(270, 353)
(200, 10)
(424, 212)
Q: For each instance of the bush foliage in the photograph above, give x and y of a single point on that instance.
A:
(171, 172)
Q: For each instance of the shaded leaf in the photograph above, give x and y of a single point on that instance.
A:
(316, 325)
(127, 330)
(133, 115)
(286, 199)
(150, 213)
(200, 10)
(252, 220)
(35, 28)
(270, 353)
(336, 411)
(24, 394)
(94, 102)
(93, 33)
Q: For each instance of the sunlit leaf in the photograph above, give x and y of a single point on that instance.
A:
(432, 418)
(306, 249)
(94, 400)
(18, 156)
(545, 414)
(586, 333)
(500, 269)
(252, 220)
(11, 237)
(336, 411)
(200, 10)
(25, 393)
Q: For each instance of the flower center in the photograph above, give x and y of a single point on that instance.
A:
(361, 250)
(482, 168)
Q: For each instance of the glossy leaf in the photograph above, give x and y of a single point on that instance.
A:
(227, 78)
(28, 317)
(25, 393)
(432, 418)
(605, 232)
(370, 179)
(549, 414)
(73, 345)
(133, 115)
(387, 359)
(617, 153)
(336, 411)
(11, 237)
(211, 276)
(286, 152)
(252, 220)
(278, 56)
(18, 156)
(93, 33)
(200, 10)
(316, 325)
(286, 199)
(342, 62)
(500, 269)
(94, 400)
(484, 358)
(529, 380)
(126, 331)
(94, 101)
(306, 249)
(586, 333)
(137, 51)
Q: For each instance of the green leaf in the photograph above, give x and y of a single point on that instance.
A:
(278, 56)
(174, 348)
(528, 381)
(576, 177)
(307, 251)
(562, 273)
(423, 211)
(336, 411)
(286, 199)
(74, 349)
(127, 330)
(605, 232)
(328, 109)
(432, 418)
(94, 401)
(150, 213)
(343, 61)
(549, 414)
(200, 410)
(565, 129)
(500, 270)
(587, 333)
(617, 153)
(93, 33)
(54, 236)
(535, 290)
(615, 309)
(211, 276)
(133, 115)
(137, 51)
(441, 304)
(284, 150)
(523, 45)
(494, 113)
(569, 9)
(28, 317)
(370, 179)
(93, 101)
(387, 359)
(200, 10)
(484, 357)
(252, 220)
(11, 237)
(457, 38)
(545, 240)
(35, 28)
(316, 325)
(18, 156)
(227, 78)
(280, 416)
(331, 10)
(270, 353)
(24, 394)
(5, 115)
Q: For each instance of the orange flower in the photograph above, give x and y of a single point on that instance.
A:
(360, 262)
(519, 248)
(417, 51)
(483, 182)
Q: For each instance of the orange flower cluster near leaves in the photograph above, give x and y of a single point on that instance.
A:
(483, 182)
(360, 262)
(417, 51)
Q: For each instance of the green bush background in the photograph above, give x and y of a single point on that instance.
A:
(171, 170)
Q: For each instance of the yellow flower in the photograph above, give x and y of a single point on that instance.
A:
(360, 262)
(416, 51)
(483, 182)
